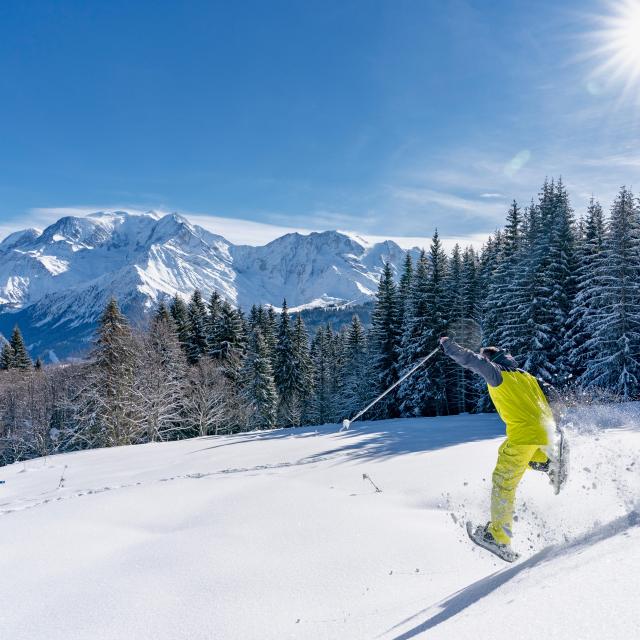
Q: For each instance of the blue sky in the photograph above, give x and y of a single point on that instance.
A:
(384, 117)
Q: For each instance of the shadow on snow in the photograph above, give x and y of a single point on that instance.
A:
(385, 438)
(468, 596)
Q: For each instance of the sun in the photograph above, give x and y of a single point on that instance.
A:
(616, 46)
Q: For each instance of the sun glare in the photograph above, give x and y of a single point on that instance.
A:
(616, 44)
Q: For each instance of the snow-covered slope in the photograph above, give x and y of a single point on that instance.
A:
(277, 535)
(57, 281)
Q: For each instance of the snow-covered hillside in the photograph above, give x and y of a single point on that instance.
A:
(56, 282)
(277, 535)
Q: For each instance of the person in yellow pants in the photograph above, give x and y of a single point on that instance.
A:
(513, 461)
(522, 405)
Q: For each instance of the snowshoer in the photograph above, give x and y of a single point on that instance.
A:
(533, 440)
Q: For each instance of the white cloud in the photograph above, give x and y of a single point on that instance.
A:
(240, 231)
(449, 201)
(476, 240)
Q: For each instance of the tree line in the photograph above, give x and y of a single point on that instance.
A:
(561, 294)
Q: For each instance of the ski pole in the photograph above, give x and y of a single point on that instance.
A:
(347, 423)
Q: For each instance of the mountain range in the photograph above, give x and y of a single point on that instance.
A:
(55, 282)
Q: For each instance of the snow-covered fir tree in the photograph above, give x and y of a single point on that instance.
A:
(110, 413)
(424, 393)
(356, 391)
(214, 309)
(471, 318)
(6, 357)
(321, 410)
(589, 257)
(259, 389)
(550, 284)
(404, 287)
(285, 370)
(20, 358)
(336, 372)
(229, 341)
(458, 324)
(385, 340)
(180, 315)
(415, 340)
(299, 406)
(438, 307)
(500, 314)
(612, 353)
(197, 345)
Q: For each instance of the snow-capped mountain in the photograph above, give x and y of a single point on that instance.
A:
(55, 282)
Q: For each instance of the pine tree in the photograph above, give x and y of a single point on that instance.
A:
(197, 342)
(458, 328)
(518, 334)
(6, 357)
(303, 377)
(336, 371)
(589, 259)
(269, 330)
(501, 315)
(438, 321)
(321, 411)
(110, 414)
(612, 354)
(472, 316)
(542, 344)
(162, 313)
(230, 347)
(21, 359)
(259, 389)
(213, 323)
(385, 340)
(424, 393)
(489, 259)
(255, 313)
(180, 315)
(404, 288)
(285, 373)
(415, 340)
(562, 276)
(356, 386)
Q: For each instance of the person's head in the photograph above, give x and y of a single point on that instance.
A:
(499, 357)
(489, 353)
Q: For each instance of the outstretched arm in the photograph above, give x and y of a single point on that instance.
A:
(472, 361)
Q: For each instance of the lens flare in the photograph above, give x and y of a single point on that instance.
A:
(616, 45)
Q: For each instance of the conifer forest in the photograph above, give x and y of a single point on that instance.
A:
(558, 289)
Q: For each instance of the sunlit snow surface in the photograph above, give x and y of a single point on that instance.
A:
(277, 535)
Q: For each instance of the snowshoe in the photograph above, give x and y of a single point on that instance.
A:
(483, 538)
(559, 463)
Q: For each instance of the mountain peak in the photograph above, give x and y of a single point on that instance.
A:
(64, 275)
(20, 238)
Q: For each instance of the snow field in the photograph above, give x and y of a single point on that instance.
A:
(277, 535)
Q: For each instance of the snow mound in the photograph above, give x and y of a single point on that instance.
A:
(282, 534)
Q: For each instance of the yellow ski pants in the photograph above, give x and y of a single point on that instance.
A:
(513, 461)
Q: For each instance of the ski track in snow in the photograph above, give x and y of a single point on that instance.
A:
(196, 475)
